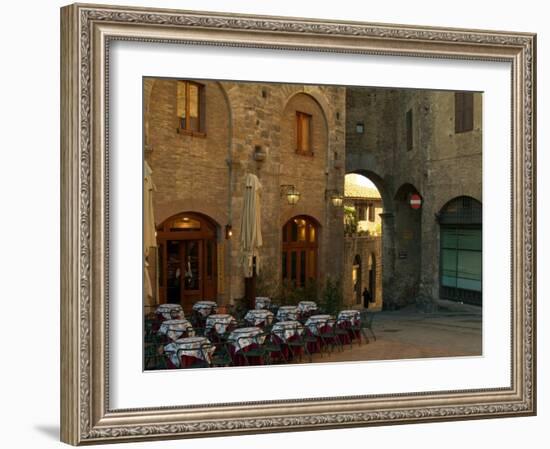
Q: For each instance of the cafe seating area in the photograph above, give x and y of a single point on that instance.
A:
(265, 335)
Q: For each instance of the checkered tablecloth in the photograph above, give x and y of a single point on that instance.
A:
(287, 313)
(245, 336)
(262, 302)
(314, 322)
(259, 317)
(205, 308)
(307, 306)
(287, 329)
(197, 347)
(219, 322)
(174, 329)
(170, 311)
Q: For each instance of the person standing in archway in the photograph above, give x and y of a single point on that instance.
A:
(366, 298)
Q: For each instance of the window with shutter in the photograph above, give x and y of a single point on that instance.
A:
(190, 108)
(409, 126)
(464, 112)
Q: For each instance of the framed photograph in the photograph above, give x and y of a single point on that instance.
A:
(281, 224)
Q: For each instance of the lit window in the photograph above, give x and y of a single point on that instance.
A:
(190, 108)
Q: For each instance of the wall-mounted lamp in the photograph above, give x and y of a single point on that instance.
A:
(360, 128)
(292, 195)
(228, 231)
(336, 198)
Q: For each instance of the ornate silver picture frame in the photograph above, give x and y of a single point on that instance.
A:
(87, 32)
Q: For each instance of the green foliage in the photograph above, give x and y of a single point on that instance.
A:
(332, 299)
(350, 220)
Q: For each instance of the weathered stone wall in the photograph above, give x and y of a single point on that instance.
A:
(206, 174)
(364, 247)
(441, 166)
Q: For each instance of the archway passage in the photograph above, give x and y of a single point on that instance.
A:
(371, 267)
(300, 249)
(461, 250)
(357, 279)
(187, 259)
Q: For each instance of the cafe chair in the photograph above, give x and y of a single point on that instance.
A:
(221, 355)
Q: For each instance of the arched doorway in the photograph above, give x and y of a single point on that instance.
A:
(300, 249)
(356, 278)
(371, 269)
(461, 250)
(187, 259)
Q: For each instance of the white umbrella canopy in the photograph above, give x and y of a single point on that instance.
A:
(149, 237)
(251, 232)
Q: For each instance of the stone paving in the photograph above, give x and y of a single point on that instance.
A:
(406, 334)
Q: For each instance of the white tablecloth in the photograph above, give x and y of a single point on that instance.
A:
(191, 346)
(262, 302)
(174, 329)
(351, 316)
(257, 317)
(170, 311)
(286, 313)
(245, 336)
(205, 308)
(314, 322)
(287, 329)
(219, 321)
(307, 306)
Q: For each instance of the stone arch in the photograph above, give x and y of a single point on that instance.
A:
(316, 96)
(380, 184)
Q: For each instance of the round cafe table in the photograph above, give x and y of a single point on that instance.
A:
(259, 317)
(243, 340)
(262, 302)
(307, 306)
(205, 308)
(286, 313)
(219, 323)
(347, 319)
(286, 330)
(175, 329)
(170, 311)
(185, 352)
(316, 322)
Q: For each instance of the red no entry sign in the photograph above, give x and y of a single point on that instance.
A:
(415, 201)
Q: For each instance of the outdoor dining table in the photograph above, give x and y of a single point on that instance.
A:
(244, 337)
(219, 322)
(286, 330)
(307, 306)
(315, 322)
(174, 329)
(170, 311)
(286, 313)
(185, 351)
(262, 302)
(349, 318)
(259, 317)
(205, 308)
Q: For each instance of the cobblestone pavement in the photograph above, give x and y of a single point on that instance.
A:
(409, 334)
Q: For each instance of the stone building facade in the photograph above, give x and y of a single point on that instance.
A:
(414, 142)
(405, 141)
(246, 128)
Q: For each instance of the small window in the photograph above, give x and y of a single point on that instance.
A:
(371, 213)
(464, 112)
(409, 126)
(303, 133)
(190, 107)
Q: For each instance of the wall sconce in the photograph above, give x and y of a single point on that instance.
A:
(292, 195)
(360, 128)
(336, 198)
(228, 231)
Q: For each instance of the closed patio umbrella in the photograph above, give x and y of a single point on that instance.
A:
(251, 233)
(149, 237)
